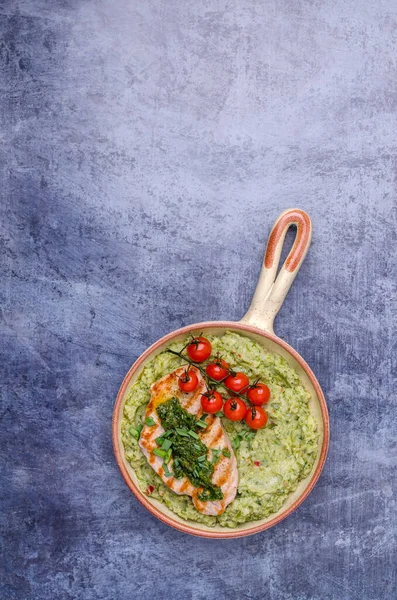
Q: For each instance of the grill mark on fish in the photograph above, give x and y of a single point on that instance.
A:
(185, 486)
(221, 474)
(194, 397)
(212, 435)
(218, 435)
(149, 434)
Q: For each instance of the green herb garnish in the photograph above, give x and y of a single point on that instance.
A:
(159, 452)
(186, 451)
(166, 445)
(150, 422)
(181, 431)
(250, 437)
(219, 414)
(201, 424)
(167, 472)
(215, 456)
(134, 432)
(236, 442)
(226, 452)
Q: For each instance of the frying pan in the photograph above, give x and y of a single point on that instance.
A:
(258, 325)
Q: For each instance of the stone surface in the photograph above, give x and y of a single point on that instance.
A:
(146, 149)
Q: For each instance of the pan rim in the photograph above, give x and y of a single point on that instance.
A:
(187, 528)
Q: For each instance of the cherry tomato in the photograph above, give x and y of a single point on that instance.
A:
(217, 370)
(259, 394)
(199, 349)
(188, 381)
(256, 417)
(237, 382)
(235, 409)
(211, 402)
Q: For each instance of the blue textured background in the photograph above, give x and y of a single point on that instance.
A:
(146, 148)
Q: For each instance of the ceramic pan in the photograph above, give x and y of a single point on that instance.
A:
(258, 325)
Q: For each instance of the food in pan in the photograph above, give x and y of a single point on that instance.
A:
(219, 429)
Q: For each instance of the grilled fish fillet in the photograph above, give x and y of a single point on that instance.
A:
(214, 437)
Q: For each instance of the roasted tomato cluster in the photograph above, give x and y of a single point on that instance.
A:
(245, 400)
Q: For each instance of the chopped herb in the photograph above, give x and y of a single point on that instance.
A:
(172, 415)
(167, 433)
(150, 422)
(250, 437)
(201, 458)
(206, 495)
(159, 452)
(219, 414)
(244, 434)
(226, 452)
(182, 431)
(236, 442)
(139, 428)
(168, 456)
(134, 432)
(201, 423)
(160, 440)
(215, 456)
(167, 472)
(166, 445)
(193, 434)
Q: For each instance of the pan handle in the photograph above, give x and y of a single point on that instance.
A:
(271, 290)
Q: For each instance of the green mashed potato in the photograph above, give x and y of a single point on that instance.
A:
(270, 465)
